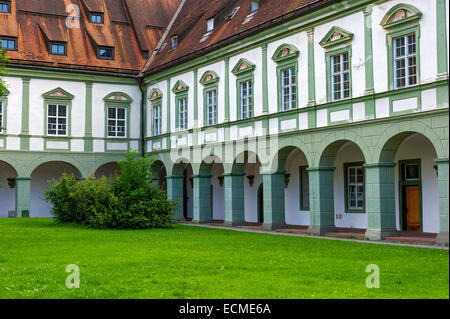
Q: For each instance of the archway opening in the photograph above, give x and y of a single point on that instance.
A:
(107, 170)
(7, 190)
(159, 175)
(212, 165)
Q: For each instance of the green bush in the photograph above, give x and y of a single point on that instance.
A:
(129, 200)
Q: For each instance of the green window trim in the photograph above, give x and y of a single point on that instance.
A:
(347, 209)
(244, 72)
(58, 96)
(3, 120)
(210, 82)
(286, 57)
(401, 20)
(118, 100)
(301, 173)
(328, 56)
(181, 89)
(335, 37)
(155, 98)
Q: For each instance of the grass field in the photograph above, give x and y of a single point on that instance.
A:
(192, 262)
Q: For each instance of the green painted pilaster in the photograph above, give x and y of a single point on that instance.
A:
(380, 200)
(443, 184)
(312, 122)
(175, 193)
(321, 200)
(227, 89)
(368, 50)
(311, 71)
(196, 124)
(234, 199)
(265, 86)
(202, 199)
(25, 134)
(88, 142)
(273, 189)
(441, 25)
(23, 186)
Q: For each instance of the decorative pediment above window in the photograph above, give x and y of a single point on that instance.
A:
(400, 14)
(180, 87)
(118, 97)
(285, 52)
(58, 94)
(243, 66)
(209, 77)
(155, 94)
(335, 37)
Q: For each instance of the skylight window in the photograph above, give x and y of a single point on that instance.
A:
(58, 48)
(209, 25)
(105, 53)
(5, 7)
(96, 18)
(9, 44)
(254, 6)
(232, 14)
(174, 42)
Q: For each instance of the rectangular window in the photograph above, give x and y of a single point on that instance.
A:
(96, 18)
(57, 48)
(405, 67)
(355, 187)
(105, 53)
(211, 107)
(340, 77)
(117, 118)
(174, 41)
(157, 119)
(182, 114)
(9, 44)
(246, 91)
(57, 119)
(288, 89)
(304, 188)
(5, 7)
(209, 25)
(1, 116)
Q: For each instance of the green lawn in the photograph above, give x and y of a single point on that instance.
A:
(192, 262)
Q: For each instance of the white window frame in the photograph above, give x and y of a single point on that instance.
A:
(341, 73)
(116, 119)
(1, 116)
(246, 99)
(406, 60)
(209, 25)
(57, 126)
(157, 119)
(182, 113)
(291, 86)
(211, 106)
(355, 184)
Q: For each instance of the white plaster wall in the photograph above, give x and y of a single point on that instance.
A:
(353, 23)
(419, 147)
(14, 112)
(77, 115)
(293, 214)
(99, 91)
(162, 86)
(300, 41)
(348, 153)
(428, 48)
(39, 183)
(187, 78)
(254, 56)
(219, 68)
(7, 194)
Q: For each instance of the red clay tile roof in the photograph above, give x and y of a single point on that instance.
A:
(126, 28)
(190, 25)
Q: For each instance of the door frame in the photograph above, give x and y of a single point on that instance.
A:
(259, 200)
(403, 183)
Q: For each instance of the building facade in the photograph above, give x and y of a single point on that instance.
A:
(326, 114)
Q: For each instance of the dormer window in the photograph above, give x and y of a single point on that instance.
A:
(96, 18)
(5, 6)
(209, 25)
(105, 53)
(254, 6)
(174, 42)
(58, 48)
(9, 44)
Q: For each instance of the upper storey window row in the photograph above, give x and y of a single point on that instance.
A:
(5, 6)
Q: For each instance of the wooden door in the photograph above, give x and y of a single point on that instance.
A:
(413, 208)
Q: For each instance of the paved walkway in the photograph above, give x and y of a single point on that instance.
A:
(300, 233)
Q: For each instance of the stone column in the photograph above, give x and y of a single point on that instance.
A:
(175, 193)
(380, 197)
(202, 199)
(273, 189)
(23, 189)
(442, 164)
(321, 197)
(234, 199)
